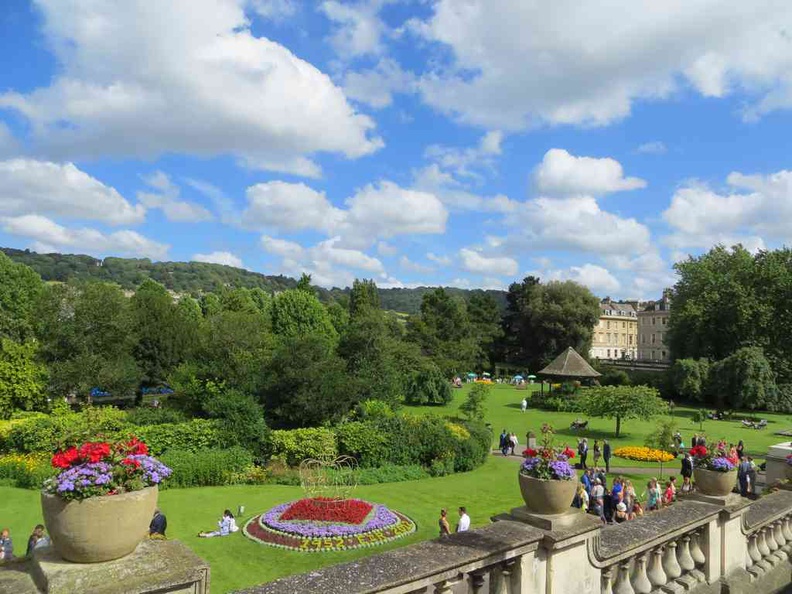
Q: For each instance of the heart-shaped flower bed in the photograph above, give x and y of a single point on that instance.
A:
(328, 525)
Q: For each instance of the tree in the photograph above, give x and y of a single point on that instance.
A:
(304, 284)
(689, 377)
(662, 438)
(20, 289)
(485, 317)
(22, 379)
(241, 418)
(699, 416)
(297, 313)
(364, 295)
(307, 384)
(621, 403)
(428, 386)
(543, 320)
(744, 379)
(473, 407)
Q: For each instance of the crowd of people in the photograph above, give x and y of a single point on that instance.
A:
(599, 452)
(38, 538)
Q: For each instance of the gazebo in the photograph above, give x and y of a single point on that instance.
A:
(569, 365)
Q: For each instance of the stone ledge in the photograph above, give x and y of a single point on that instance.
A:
(767, 508)
(160, 566)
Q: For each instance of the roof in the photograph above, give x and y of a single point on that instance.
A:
(570, 364)
(612, 308)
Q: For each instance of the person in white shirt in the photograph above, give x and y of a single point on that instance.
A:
(226, 525)
(464, 521)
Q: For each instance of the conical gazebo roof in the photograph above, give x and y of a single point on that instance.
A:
(570, 364)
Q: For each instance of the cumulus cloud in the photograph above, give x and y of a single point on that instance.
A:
(386, 249)
(563, 174)
(441, 260)
(8, 144)
(50, 236)
(225, 258)
(598, 279)
(357, 27)
(406, 264)
(28, 186)
(274, 10)
(758, 208)
(289, 207)
(167, 198)
(376, 86)
(475, 261)
(656, 147)
(509, 70)
(188, 76)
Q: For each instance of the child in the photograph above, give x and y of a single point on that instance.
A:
(227, 525)
(6, 546)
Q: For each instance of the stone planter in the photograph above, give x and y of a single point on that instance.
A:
(547, 497)
(98, 528)
(713, 482)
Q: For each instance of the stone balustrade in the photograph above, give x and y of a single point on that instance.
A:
(693, 546)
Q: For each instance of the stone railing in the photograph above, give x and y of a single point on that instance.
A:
(658, 550)
(698, 546)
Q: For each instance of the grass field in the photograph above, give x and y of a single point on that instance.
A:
(503, 412)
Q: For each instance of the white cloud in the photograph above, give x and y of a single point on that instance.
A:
(50, 236)
(518, 64)
(386, 249)
(357, 28)
(454, 194)
(8, 144)
(386, 210)
(375, 87)
(274, 9)
(573, 224)
(474, 261)
(167, 198)
(462, 162)
(281, 247)
(441, 260)
(39, 187)
(407, 264)
(596, 278)
(758, 208)
(143, 79)
(562, 174)
(289, 207)
(656, 147)
(646, 274)
(226, 258)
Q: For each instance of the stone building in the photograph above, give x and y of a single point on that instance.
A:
(616, 334)
(653, 330)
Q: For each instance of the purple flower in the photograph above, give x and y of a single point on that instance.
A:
(380, 517)
(721, 464)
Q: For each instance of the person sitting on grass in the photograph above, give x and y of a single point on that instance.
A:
(6, 546)
(159, 523)
(37, 539)
(227, 525)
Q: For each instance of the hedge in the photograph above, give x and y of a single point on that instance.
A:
(295, 445)
(207, 468)
(192, 436)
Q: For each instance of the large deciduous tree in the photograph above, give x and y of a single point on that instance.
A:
(20, 289)
(22, 377)
(621, 403)
(744, 379)
(544, 319)
(690, 377)
(297, 313)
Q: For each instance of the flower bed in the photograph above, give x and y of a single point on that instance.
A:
(312, 525)
(643, 454)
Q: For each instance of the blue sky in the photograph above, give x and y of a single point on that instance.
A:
(456, 142)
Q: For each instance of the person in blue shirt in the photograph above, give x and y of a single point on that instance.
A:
(6, 546)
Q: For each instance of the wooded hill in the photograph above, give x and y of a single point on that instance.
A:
(198, 277)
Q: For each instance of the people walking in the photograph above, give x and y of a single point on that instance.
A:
(583, 452)
(687, 466)
(503, 443)
(524, 405)
(597, 452)
(606, 454)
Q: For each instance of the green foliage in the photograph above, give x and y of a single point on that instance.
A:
(485, 317)
(543, 320)
(25, 472)
(363, 296)
(662, 438)
(428, 386)
(193, 436)
(622, 403)
(20, 288)
(22, 378)
(744, 379)
(474, 405)
(295, 445)
(307, 385)
(241, 418)
(689, 378)
(206, 468)
(699, 416)
(373, 409)
(147, 415)
(614, 377)
(299, 313)
(365, 441)
(390, 473)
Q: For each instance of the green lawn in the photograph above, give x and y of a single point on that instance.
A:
(503, 412)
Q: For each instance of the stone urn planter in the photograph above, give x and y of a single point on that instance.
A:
(714, 482)
(98, 528)
(547, 496)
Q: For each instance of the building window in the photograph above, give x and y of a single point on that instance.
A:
(608, 353)
(654, 320)
(664, 354)
(608, 324)
(631, 340)
(653, 339)
(624, 325)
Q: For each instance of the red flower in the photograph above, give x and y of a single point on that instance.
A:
(136, 447)
(94, 451)
(131, 462)
(530, 453)
(319, 509)
(569, 453)
(698, 452)
(65, 459)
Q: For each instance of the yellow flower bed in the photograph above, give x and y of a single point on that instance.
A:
(27, 462)
(643, 454)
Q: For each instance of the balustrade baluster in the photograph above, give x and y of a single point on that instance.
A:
(761, 543)
(683, 555)
(623, 585)
(640, 582)
(771, 541)
(444, 587)
(477, 581)
(695, 549)
(501, 578)
(785, 528)
(753, 550)
(607, 581)
(670, 563)
(778, 534)
(656, 574)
